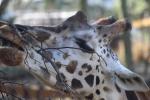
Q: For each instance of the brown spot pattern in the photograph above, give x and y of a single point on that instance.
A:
(97, 92)
(102, 99)
(58, 64)
(87, 67)
(90, 80)
(11, 56)
(103, 81)
(42, 36)
(97, 80)
(89, 97)
(72, 66)
(137, 79)
(65, 55)
(76, 84)
(47, 55)
(80, 73)
(106, 89)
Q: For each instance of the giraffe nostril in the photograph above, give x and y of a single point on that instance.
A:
(112, 19)
(128, 25)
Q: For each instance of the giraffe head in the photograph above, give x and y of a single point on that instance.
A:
(91, 38)
(96, 37)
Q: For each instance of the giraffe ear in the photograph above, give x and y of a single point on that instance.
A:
(129, 80)
(78, 20)
(105, 21)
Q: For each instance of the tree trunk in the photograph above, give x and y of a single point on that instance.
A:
(127, 37)
(83, 6)
(3, 6)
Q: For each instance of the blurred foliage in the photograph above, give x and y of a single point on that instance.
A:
(95, 8)
(3, 6)
(136, 8)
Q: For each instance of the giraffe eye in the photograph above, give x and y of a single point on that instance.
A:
(99, 27)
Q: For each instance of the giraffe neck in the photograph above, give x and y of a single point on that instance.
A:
(83, 72)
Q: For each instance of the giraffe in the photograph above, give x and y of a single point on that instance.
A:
(77, 53)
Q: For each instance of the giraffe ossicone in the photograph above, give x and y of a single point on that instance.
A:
(82, 55)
